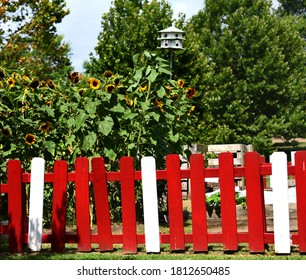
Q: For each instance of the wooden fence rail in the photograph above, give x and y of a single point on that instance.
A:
(25, 226)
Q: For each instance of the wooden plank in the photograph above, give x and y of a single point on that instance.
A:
(105, 239)
(82, 204)
(15, 209)
(300, 181)
(198, 203)
(150, 204)
(255, 203)
(59, 206)
(128, 205)
(279, 184)
(228, 202)
(175, 204)
(36, 204)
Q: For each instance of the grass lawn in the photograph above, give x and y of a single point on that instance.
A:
(215, 253)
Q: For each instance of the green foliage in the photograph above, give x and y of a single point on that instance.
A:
(29, 39)
(110, 116)
(248, 65)
(129, 27)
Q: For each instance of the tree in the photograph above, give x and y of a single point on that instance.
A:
(295, 7)
(248, 65)
(29, 39)
(128, 28)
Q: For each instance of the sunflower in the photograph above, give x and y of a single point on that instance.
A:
(180, 83)
(129, 101)
(2, 74)
(11, 82)
(25, 80)
(30, 139)
(160, 105)
(6, 132)
(74, 77)
(109, 88)
(108, 74)
(35, 83)
(94, 83)
(51, 84)
(45, 127)
(142, 88)
(190, 92)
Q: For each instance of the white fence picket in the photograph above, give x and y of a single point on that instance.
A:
(279, 184)
(150, 204)
(36, 204)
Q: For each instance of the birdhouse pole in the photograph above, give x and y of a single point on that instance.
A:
(171, 39)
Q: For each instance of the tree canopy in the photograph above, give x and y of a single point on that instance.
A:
(248, 65)
(128, 28)
(29, 38)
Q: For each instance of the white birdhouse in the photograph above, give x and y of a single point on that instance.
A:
(171, 38)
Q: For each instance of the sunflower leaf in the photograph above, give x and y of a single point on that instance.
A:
(106, 126)
(89, 141)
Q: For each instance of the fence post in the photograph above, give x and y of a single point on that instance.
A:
(150, 204)
(15, 206)
(279, 184)
(228, 202)
(36, 204)
(59, 206)
(102, 205)
(198, 203)
(175, 204)
(129, 229)
(300, 181)
(255, 202)
(82, 204)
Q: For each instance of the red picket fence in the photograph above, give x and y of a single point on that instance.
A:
(253, 171)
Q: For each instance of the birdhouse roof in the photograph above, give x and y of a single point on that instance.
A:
(171, 29)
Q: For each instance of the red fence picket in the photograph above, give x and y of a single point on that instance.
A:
(102, 205)
(300, 179)
(128, 202)
(198, 204)
(82, 204)
(97, 179)
(59, 205)
(175, 204)
(16, 206)
(255, 203)
(228, 202)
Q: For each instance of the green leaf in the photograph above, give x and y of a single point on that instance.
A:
(110, 154)
(47, 109)
(138, 74)
(106, 126)
(80, 120)
(50, 146)
(89, 141)
(174, 138)
(153, 75)
(118, 109)
(148, 70)
(128, 115)
(161, 92)
(155, 116)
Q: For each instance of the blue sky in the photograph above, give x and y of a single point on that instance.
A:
(82, 26)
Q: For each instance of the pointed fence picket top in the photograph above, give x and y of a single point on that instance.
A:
(36, 204)
(279, 184)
